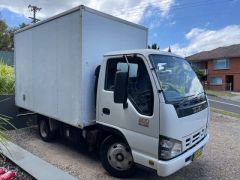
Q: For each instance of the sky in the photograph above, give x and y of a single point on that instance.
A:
(187, 26)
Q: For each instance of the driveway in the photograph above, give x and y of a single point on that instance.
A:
(224, 104)
(220, 159)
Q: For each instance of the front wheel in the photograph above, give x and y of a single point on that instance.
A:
(116, 157)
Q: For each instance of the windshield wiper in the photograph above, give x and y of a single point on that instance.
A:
(184, 99)
(187, 98)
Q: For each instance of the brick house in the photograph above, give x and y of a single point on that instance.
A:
(221, 67)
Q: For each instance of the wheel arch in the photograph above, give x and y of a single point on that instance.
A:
(41, 117)
(106, 131)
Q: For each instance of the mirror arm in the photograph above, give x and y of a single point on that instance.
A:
(125, 105)
(127, 62)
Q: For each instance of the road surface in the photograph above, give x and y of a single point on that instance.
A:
(224, 104)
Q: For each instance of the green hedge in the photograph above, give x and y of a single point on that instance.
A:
(7, 79)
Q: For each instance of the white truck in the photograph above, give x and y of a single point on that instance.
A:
(135, 106)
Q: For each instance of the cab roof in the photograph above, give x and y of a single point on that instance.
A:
(144, 52)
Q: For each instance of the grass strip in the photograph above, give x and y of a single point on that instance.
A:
(220, 93)
(226, 113)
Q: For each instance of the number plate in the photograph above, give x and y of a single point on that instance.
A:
(197, 154)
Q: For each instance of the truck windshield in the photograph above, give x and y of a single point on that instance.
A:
(176, 77)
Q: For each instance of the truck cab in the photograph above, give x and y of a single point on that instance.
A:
(154, 101)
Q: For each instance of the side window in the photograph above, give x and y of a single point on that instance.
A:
(140, 91)
(123, 66)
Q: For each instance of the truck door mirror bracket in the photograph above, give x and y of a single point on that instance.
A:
(121, 88)
(125, 105)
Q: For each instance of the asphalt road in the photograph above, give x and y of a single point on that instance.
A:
(224, 104)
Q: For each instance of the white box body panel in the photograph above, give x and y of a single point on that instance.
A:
(55, 62)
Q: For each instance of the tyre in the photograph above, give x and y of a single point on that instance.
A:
(44, 130)
(116, 157)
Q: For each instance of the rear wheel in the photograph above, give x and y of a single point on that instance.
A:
(116, 157)
(44, 130)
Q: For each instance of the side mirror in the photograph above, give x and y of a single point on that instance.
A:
(121, 88)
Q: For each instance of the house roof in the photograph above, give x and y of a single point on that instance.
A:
(221, 52)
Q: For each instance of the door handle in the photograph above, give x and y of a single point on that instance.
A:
(106, 111)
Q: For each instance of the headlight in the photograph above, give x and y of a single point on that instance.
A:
(169, 148)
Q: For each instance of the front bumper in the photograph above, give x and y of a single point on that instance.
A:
(166, 168)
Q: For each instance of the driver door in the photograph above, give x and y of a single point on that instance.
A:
(141, 118)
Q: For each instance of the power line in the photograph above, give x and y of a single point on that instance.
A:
(34, 9)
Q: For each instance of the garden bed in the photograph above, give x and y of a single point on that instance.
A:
(20, 174)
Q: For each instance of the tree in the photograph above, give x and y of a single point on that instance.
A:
(169, 49)
(22, 25)
(12, 31)
(154, 46)
(199, 72)
(5, 40)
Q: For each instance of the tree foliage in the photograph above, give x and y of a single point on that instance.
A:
(7, 79)
(169, 49)
(12, 31)
(5, 40)
(154, 46)
(7, 35)
(199, 72)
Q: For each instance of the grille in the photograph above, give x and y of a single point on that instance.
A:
(194, 138)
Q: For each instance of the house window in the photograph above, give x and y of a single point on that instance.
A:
(196, 64)
(221, 64)
(216, 81)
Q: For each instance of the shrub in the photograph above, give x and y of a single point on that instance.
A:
(198, 71)
(4, 122)
(7, 79)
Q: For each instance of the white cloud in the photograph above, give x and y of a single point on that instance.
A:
(155, 35)
(203, 40)
(172, 23)
(131, 10)
(153, 24)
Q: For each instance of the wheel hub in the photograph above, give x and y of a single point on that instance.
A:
(120, 157)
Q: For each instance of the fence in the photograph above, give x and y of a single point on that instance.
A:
(7, 57)
(222, 87)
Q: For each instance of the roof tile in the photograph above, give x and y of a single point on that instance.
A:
(221, 52)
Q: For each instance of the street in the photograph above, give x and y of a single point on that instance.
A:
(224, 104)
